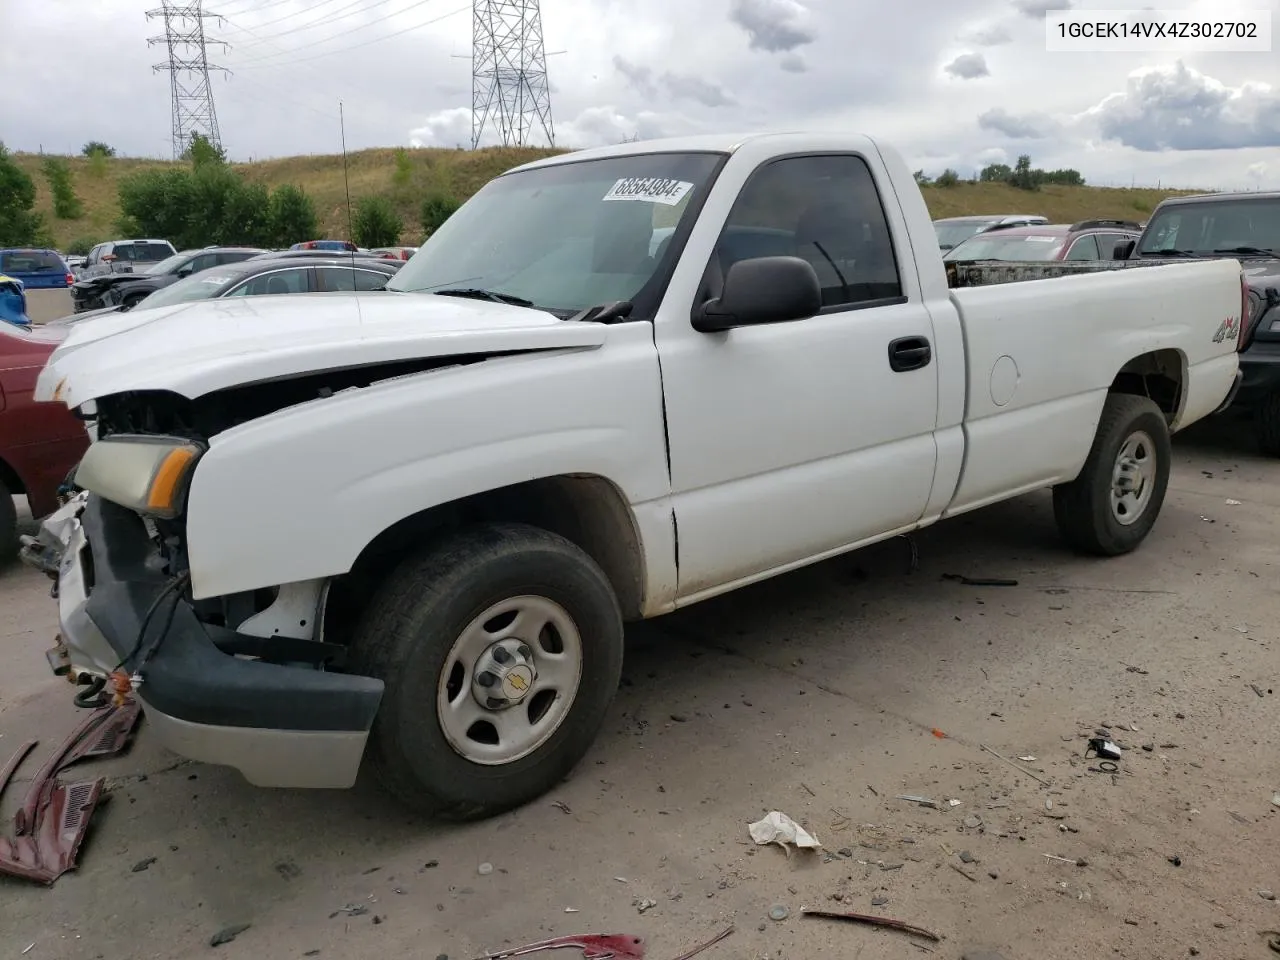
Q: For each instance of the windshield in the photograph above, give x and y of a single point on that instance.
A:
(951, 234)
(1216, 226)
(564, 237)
(31, 261)
(996, 246)
(142, 251)
(167, 265)
(198, 286)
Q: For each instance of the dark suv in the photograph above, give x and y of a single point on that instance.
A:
(1244, 227)
(128, 289)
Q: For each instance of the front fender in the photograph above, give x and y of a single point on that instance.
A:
(296, 495)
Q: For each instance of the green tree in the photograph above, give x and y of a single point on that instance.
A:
(376, 223)
(922, 179)
(20, 225)
(80, 246)
(436, 209)
(1023, 176)
(995, 173)
(404, 168)
(160, 203)
(96, 148)
(246, 216)
(203, 153)
(947, 178)
(66, 205)
(292, 216)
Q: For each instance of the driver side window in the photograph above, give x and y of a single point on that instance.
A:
(825, 210)
(277, 282)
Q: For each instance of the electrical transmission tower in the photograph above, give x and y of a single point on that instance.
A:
(509, 88)
(188, 68)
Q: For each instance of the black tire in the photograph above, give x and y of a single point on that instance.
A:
(1266, 425)
(8, 526)
(405, 639)
(1082, 508)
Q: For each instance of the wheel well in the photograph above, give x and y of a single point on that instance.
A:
(9, 477)
(587, 510)
(1158, 375)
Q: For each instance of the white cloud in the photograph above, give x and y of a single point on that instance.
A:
(968, 66)
(1016, 126)
(778, 26)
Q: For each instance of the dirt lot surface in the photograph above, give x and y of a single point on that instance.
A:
(46, 305)
(817, 695)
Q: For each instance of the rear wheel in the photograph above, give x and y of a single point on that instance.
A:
(8, 525)
(1112, 505)
(1266, 425)
(501, 650)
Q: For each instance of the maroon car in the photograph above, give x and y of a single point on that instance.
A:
(39, 442)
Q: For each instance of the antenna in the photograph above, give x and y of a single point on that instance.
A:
(346, 186)
(188, 68)
(509, 86)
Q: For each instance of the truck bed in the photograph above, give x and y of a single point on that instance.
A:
(984, 273)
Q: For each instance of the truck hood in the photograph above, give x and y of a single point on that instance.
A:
(196, 348)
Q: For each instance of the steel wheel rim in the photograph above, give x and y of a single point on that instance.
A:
(493, 736)
(1133, 478)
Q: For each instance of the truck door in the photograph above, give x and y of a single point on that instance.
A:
(792, 441)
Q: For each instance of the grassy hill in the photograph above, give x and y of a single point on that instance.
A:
(462, 172)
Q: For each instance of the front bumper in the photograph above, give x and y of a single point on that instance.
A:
(1260, 374)
(280, 726)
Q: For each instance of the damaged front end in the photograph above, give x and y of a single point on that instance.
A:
(245, 681)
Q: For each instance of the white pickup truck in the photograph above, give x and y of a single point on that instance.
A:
(407, 527)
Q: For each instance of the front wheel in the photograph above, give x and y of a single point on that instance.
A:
(501, 650)
(1112, 505)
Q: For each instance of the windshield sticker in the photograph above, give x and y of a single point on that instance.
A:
(1040, 239)
(215, 280)
(649, 189)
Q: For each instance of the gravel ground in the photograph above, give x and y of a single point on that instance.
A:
(817, 694)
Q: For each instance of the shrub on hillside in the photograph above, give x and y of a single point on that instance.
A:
(81, 246)
(66, 205)
(404, 168)
(20, 225)
(96, 148)
(376, 223)
(293, 216)
(947, 178)
(436, 209)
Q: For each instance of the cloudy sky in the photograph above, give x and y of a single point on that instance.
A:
(956, 83)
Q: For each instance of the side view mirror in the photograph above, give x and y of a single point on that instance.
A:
(761, 290)
(184, 271)
(1123, 250)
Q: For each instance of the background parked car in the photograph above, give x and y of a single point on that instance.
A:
(74, 262)
(38, 269)
(125, 256)
(39, 442)
(256, 277)
(1086, 240)
(333, 245)
(954, 230)
(13, 304)
(345, 257)
(128, 289)
(394, 253)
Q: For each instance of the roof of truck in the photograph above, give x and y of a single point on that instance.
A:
(701, 143)
(1238, 195)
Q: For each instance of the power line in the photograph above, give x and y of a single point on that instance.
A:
(509, 86)
(188, 67)
(331, 17)
(356, 46)
(270, 43)
(294, 16)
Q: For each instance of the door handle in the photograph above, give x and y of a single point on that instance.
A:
(909, 353)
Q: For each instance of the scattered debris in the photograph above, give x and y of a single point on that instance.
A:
(431, 865)
(1257, 689)
(1028, 759)
(780, 829)
(923, 801)
(808, 789)
(846, 852)
(967, 857)
(1266, 895)
(875, 922)
(1233, 503)
(963, 872)
(980, 581)
(227, 934)
(1130, 668)
(288, 870)
(1130, 921)
(615, 946)
(351, 910)
(561, 806)
(1078, 861)
(1275, 799)
(879, 901)
(679, 718)
(779, 912)
(954, 803)
(1028, 773)
(973, 821)
(728, 931)
(142, 865)
(28, 948)
(54, 817)
(1175, 860)
(643, 903)
(485, 869)
(1103, 749)
(940, 734)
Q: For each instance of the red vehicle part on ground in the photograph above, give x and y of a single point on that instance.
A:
(39, 442)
